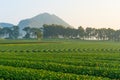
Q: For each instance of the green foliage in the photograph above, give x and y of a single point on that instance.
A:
(60, 60)
(10, 32)
(32, 33)
(96, 70)
(13, 73)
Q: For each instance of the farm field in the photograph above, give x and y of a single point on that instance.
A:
(59, 60)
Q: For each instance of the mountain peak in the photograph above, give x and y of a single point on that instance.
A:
(43, 14)
(41, 19)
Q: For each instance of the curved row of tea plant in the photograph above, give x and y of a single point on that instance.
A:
(67, 62)
(63, 50)
(91, 60)
(12, 73)
(112, 73)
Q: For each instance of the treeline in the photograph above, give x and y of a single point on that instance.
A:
(59, 31)
(9, 32)
(14, 33)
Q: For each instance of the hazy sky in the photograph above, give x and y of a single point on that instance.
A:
(86, 13)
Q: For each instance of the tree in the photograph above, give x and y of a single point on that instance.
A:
(32, 33)
(53, 31)
(90, 32)
(27, 30)
(36, 32)
(110, 34)
(81, 32)
(15, 32)
(117, 35)
(6, 32)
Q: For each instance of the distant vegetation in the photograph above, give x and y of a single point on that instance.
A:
(59, 31)
(9, 32)
(47, 25)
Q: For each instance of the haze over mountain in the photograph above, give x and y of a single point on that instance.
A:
(37, 22)
(2, 25)
(41, 19)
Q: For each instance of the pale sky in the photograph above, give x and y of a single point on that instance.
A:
(86, 13)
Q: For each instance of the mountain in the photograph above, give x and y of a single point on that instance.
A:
(2, 25)
(39, 20)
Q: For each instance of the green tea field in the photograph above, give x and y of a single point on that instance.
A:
(59, 60)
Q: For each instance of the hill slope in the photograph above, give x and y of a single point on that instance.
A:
(39, 20)
(2, 25)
